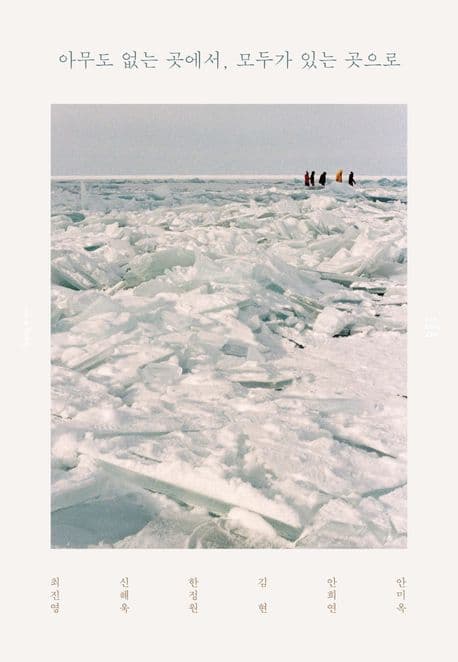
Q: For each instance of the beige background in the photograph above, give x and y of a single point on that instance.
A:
(229, 626)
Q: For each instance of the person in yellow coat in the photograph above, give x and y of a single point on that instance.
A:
(339, 175)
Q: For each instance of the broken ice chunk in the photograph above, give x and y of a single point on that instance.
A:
(251, 375)
(332, 322)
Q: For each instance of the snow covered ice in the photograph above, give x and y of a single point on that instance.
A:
(228, 363)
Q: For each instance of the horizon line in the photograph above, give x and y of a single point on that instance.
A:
(207, 176)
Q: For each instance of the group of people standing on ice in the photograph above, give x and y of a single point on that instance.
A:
(309, 180)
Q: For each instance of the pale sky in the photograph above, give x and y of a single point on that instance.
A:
(228, 139)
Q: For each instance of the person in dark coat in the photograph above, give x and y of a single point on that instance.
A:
(312, 178)
(351, 179)
(306, 178)
(322, 179)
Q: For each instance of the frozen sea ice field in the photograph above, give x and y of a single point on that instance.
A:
(228, 363)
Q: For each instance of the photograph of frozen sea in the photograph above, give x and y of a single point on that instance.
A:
(228, 350)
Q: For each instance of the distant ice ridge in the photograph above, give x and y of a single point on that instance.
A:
(237, 345)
